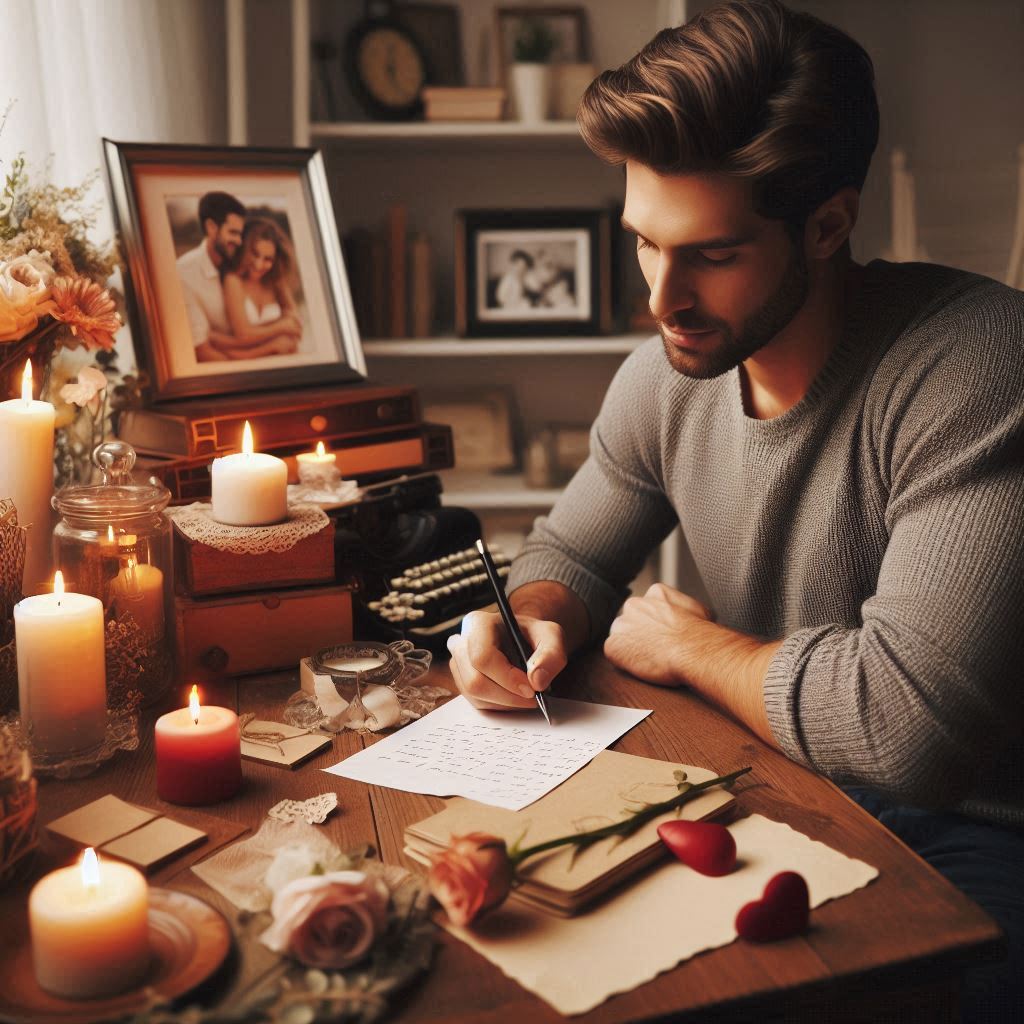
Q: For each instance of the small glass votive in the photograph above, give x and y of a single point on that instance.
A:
(318, 469)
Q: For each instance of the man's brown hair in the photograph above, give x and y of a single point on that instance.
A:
(750, 88)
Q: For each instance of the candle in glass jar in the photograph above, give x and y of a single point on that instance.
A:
(249, 488)
(90, 929)
(138, 591)
(62, 686)
(26, 475)
(198, 754)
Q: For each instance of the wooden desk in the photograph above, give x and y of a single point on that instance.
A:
(884, 952)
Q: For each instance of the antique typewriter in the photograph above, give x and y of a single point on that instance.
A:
(427, 602)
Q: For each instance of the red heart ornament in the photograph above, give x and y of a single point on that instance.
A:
(701, 845)
(782, 911)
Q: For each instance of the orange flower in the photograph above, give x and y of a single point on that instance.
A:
(87, 309)
(473, 875)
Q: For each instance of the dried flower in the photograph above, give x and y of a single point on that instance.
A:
(91, 381)
(87, 309)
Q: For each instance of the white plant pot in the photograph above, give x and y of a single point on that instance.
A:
(531, 89)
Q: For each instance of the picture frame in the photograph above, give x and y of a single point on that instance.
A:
(568, 25)
(235, 302)
(482, 429)
(533, 273)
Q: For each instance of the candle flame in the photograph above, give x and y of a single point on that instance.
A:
(90, 868)
(58, 582)
(26, 382)
(247, 444)
(110, 533)
(193, 703)
(320, 450)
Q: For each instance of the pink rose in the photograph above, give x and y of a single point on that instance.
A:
(328, 921)
(472, 876)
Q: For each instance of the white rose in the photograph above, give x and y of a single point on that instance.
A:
(26, 278)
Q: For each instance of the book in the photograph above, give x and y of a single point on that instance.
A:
(564, 880)
(421, 287)
(398, 219)
(191, 429)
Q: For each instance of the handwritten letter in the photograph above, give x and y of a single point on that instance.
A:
(495, 757)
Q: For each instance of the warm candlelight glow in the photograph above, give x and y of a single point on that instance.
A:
(320, 450)
(110, 533)
(90, 868)
(58, 582)
(26, 382)
(247, 446)
(193, 703)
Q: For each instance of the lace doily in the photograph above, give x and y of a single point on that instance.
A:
(197, 523)
(313, 811)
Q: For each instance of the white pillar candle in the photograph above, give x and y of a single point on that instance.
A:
(62, 685)
(250, 488)
(90, 929)
(138, 591)
(26, 475)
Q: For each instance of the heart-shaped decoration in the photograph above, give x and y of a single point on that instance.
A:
(701, 845)
(782, 911)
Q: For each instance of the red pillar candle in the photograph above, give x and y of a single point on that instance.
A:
(198, 754)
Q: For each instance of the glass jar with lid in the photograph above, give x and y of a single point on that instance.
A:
(113, 542)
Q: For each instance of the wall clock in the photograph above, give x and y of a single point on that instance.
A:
(386, 68)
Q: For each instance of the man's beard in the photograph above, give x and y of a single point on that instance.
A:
(757, 330)
(226, 250)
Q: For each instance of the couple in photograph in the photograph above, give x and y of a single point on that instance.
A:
(535, 283)
(236, 284)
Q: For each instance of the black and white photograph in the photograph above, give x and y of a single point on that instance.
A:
(533, 272)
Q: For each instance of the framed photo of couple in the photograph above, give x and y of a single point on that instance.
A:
(522, 273)
(235, 276)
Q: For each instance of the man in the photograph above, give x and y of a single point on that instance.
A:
(841, 444)
(222, 218)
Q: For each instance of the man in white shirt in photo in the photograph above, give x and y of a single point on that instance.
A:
(222, 218)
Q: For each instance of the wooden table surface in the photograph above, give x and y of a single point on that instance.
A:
(884, 952)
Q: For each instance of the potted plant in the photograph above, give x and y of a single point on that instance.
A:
(531, 73)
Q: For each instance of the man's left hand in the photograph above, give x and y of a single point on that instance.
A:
(650, 637)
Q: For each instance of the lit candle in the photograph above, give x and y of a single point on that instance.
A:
(26, 475)
(250, 488)
(138, 591)
(321, 457)
(90, 930)
(62, 684)
(198, 754)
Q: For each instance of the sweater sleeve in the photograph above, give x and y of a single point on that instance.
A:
(614, 510)
(921, 697)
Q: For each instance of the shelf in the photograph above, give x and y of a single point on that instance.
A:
(489, 491)
(420, 130)
(404, 348)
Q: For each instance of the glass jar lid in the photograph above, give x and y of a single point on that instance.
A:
(117, 497)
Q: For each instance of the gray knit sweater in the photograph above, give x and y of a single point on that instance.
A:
(877, 526)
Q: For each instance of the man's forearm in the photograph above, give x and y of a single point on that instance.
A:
(728, 669)
(554, 602)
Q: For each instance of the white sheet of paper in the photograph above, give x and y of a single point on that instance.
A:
(495, 757)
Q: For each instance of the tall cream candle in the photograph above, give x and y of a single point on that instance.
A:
(26, 475)
(90, 928)
(62, 685)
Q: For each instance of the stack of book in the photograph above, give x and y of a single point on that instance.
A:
(563, 881)
(376, 432)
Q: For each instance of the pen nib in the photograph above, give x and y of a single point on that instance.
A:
(543, 707)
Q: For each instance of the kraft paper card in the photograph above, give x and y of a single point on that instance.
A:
(153, 844)
(663, 918)
(491, 756)
(102, 820)
(563, 880)
(294, 747)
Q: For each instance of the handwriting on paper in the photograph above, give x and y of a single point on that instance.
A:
(501, 759)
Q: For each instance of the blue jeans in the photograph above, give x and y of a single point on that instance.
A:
(986, 863)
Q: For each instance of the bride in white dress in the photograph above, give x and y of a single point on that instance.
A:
(258, 299)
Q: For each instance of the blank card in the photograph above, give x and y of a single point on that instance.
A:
(102, 820)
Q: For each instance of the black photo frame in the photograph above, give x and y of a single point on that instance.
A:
(533, 273)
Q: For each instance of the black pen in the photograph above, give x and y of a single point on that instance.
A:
(514, 632)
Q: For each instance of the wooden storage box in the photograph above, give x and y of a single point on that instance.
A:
(200, 569)
(260, 632)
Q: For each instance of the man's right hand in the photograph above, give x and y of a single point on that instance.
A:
(484, 674)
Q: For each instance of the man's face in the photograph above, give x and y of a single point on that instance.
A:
(228, 237)
(724, 281)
